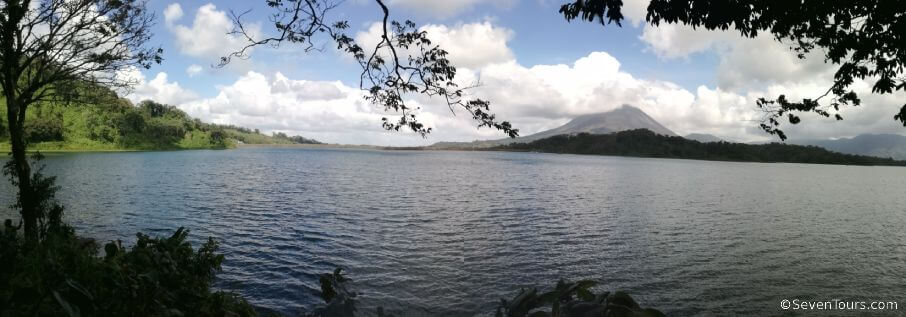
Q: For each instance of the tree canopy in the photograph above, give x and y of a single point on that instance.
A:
(48, 47)
(864, 38)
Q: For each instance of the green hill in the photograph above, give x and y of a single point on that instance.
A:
(115, 124)
(644, 143)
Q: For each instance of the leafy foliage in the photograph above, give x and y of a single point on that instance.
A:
(295, 139)
(570, 299)
(567, 299)
(41, 195)
(644, 143)
(866, 38)
(115, 123)
(58, 273)
(62, 275)
(339, 300)
(112, 123)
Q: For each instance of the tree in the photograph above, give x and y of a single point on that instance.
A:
(866, 38)
(404, 61)
(54, 50)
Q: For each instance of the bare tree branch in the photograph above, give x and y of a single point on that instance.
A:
(402, 64)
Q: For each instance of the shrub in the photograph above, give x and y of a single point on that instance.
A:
(63, 275)
(572, 299)
(57, 273)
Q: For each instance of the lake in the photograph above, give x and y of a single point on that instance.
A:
(450, 233)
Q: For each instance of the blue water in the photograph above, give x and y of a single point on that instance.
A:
(450, 233)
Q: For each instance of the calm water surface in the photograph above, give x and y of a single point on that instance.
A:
(449, 233)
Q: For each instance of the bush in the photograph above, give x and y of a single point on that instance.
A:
(567, 299)
(63, 275)
(53, 272)
(44, 130)
(573, 299)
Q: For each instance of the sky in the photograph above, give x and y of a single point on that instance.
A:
(537, 70)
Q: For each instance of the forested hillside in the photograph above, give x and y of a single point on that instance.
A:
(112, 124)
(644, 143)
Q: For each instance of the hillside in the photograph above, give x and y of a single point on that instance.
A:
(114, 124)
(703, 137)
(880, 145)
(621, 119)
(644, 143)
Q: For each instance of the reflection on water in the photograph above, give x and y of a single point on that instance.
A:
(449, 233)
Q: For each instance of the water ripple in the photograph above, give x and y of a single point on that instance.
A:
(453, 232)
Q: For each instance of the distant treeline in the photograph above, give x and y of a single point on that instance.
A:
(644, 143)
(113, 123)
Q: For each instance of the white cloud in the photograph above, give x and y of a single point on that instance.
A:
(172, 13)
(327, 111)
(470, 45)
(763, 67)
(544, 96)
(635, 11)
(532, 98)
(159, 89)
(194, 69)
(208, 36)
(744, 62)
(447, 8)
(474, 44)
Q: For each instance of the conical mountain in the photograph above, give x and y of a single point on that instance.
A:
(621, 119)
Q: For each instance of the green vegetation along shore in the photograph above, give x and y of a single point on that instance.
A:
(644, 143)
(115, 124)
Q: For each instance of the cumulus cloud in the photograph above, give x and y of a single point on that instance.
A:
(544, 96)
(635, 11)
(474, 44)
(533, 98)
(763, 67)
(328, 111)
(172, 13)
(469, 45)
(446, 8)
(745, 63)
(207, 37)
(159, 88)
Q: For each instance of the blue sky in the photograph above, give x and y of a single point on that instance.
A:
(537, 69)
(542, 37)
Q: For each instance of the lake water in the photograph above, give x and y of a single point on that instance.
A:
(450, 233)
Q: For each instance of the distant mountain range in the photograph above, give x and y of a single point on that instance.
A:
(879, 145)
(628, 118)
(644, 143)
(703, 137)
(621, 119)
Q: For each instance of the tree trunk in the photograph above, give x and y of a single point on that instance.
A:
(21, 168)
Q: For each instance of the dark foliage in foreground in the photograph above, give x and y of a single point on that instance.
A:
(56, 273)
(572, 299)
(63, 275)
(567, 299)
(644, 143)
